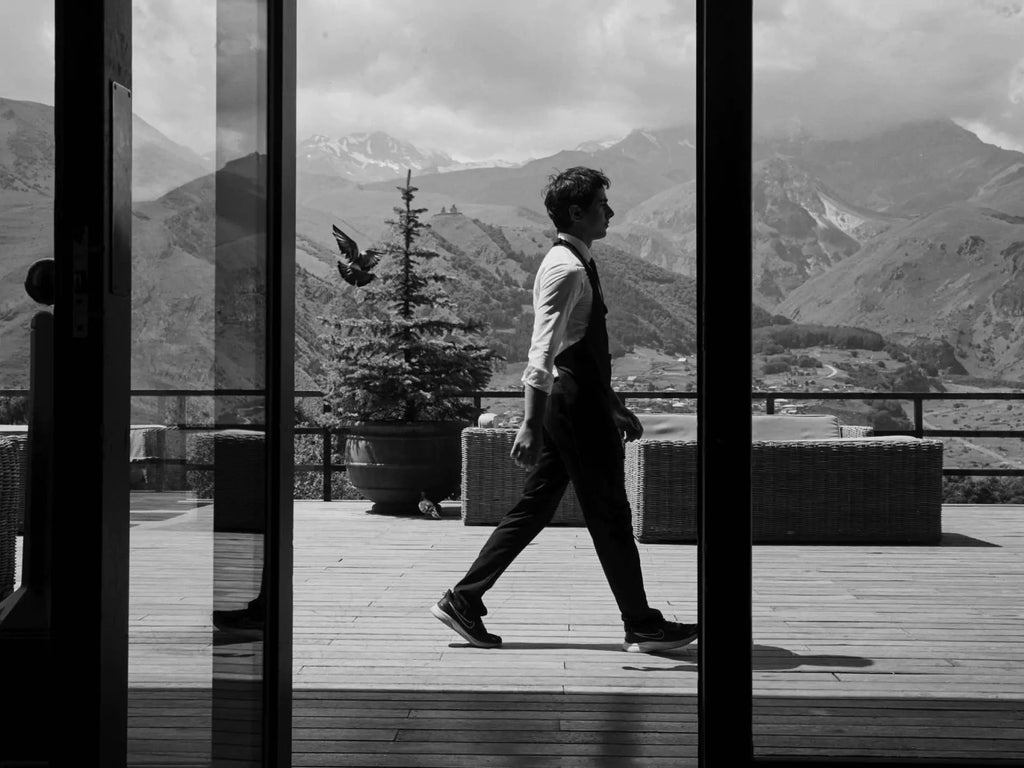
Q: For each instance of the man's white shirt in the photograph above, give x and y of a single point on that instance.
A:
(562, 299)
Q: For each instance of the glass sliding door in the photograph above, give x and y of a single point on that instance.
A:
(211, 490)
(145, 492)
(887, 214)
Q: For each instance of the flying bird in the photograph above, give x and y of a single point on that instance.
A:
(355, 266)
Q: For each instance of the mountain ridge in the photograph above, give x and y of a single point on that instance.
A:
(845, 233)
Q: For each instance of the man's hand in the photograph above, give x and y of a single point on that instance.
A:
(627, 423)
(530, 437)
(526, 448)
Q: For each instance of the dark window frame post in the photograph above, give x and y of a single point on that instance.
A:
(280, 378)
(724, 86)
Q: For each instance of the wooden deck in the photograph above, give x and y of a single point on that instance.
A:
(858, 650)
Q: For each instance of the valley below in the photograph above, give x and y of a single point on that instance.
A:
(645, 370)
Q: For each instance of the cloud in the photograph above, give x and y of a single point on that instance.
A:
(514, 80)
(839, 69)
(174, 69)
(500, 80)
(27, 52)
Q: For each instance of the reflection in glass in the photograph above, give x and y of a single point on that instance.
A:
(239, 504)
(199, 332)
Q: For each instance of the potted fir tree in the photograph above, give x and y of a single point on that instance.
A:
(396, 370)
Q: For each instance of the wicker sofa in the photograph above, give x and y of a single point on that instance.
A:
(813, 481)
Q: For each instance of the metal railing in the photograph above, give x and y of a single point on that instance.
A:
(771, 399)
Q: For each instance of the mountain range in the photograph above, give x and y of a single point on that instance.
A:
(915, 232)
(374, 156)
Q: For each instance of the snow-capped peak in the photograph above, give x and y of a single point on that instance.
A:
(372, 156)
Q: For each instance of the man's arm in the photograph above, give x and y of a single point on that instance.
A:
(557, 288)
(530, 437)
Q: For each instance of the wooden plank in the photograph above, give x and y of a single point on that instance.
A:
(858, 650)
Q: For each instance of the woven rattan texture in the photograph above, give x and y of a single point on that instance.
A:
(833, 491)
(866, 490)
(661, 485)
(492, 483)
(12, 499)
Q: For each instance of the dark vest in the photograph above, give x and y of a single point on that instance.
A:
(588, 360)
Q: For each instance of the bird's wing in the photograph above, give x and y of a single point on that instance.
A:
(347, 245)
(353, 275)
(348, 272)
(369, 258)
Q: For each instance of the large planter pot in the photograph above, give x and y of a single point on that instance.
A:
(394, 463)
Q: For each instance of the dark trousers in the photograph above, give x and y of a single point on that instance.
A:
(582, 446)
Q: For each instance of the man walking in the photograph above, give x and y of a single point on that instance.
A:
(572, 431)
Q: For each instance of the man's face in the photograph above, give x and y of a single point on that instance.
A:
(593, 222)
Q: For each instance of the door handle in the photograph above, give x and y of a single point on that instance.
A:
(39, 283)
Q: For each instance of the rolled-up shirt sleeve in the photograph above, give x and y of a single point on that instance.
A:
(556, 291)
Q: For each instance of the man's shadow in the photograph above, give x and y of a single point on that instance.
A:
(765, 658)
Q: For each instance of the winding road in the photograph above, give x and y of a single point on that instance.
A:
(968, 443)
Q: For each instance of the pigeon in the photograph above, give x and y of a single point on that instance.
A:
(355, 265)
(427, 507)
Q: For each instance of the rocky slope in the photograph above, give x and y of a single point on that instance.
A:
(915, 232)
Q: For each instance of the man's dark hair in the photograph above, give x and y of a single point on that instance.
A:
(576, 186)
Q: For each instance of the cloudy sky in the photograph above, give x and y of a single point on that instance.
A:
(513, 80)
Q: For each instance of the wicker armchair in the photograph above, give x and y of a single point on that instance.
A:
(12, 502)
(492, 483)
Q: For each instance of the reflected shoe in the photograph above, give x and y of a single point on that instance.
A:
(241, 623)
(470, 627)
(661, 637)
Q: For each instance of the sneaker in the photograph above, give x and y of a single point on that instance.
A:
(664, 637)
(470, 627)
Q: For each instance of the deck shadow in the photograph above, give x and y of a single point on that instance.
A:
(772, 657)
(549, 729)
(963, 540)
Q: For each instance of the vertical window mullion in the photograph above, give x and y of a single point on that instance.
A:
(725, 687)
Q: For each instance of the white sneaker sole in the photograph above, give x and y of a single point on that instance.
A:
(652, 646)
(457, 628)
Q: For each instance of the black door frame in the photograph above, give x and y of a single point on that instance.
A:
(92, 348)
(280, 379)
(88, 665)
(725, 679)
